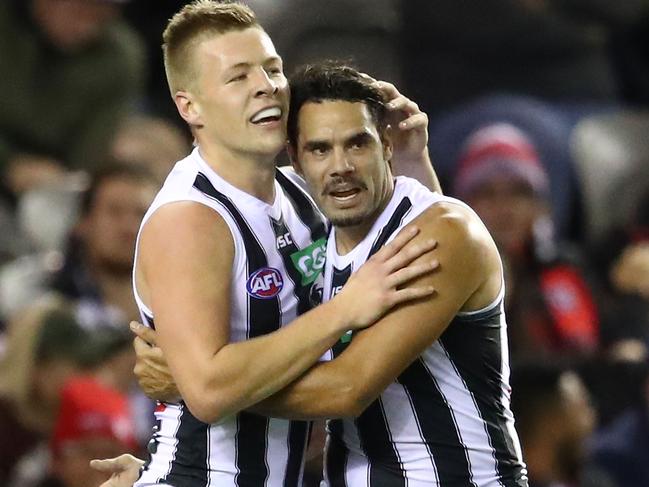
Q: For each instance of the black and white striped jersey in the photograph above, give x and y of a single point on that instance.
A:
(279, 253)
(445, 421)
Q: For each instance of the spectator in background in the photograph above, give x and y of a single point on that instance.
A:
(97, 270)
(150, 142)
(551, 309)
(554, 419)
(70, 69)
(94, 421)
(44, 348)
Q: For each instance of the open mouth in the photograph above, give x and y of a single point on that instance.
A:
(345, 195)
(267, 116)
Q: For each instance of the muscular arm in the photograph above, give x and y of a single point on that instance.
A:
(470, 279)
(184, 272)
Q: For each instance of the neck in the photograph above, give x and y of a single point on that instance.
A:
(251, 173)
(348, 237)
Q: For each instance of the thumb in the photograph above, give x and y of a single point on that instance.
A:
(144, 332)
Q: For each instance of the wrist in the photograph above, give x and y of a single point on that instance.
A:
(339, 320)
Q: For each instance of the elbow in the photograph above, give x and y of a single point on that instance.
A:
(203, 409)
(206, 405)
(352, 402)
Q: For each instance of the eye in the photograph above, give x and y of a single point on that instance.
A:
(274, 71)
(240, 77)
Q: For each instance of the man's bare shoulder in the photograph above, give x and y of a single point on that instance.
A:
(465, 250)
(454, 222)
(186, 229)
(180, 219)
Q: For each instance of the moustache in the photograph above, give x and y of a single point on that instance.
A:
(343, 184)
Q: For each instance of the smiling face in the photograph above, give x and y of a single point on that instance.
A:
(239, 101)
(344, 161)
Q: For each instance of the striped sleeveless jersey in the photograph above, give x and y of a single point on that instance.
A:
(445, 421)
(279, 252)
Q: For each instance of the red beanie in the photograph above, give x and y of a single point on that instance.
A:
(91, 410)
(499, 149)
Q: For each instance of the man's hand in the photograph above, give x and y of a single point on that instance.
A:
(124, 470)
(408, 131)
(151, 368)
(376, 287)
(408, 128)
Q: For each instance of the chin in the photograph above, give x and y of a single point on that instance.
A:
(347, 220)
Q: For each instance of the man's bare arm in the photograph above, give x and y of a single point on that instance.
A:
(470, 279)
(186, 281)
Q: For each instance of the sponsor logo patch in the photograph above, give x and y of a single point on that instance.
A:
(265, 283)
(310, 261)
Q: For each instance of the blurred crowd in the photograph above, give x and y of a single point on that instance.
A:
(539, 119)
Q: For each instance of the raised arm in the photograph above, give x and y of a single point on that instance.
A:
(470, 279)
(409, 135)
(185, 263)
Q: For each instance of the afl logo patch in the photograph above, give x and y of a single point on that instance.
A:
(265, 283)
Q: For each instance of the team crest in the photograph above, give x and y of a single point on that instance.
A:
(265, 283)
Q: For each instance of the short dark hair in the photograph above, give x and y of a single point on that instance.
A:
(333, 81)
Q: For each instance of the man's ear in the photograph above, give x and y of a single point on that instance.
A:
(386, 142)
(292, 155)
(187, 107)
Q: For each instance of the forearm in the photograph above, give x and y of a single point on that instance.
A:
(324, 392)
(243, 373)
(420, 169)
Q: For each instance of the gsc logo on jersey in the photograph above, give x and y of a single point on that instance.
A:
(310, 261)
(265, 283)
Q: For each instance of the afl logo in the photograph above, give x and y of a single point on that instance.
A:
(265, 283)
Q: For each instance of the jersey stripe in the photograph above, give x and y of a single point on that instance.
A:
(487, 394)
(191, 451)
(373, 430)
(299, 431)
(264, 317)
(437, 424)
(302, 293)
(305, 207)
(336, 454)
(393, 224)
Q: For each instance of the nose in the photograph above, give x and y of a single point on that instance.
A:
(265, 84)
(341, 163)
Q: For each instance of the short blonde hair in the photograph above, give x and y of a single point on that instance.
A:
(191, 25)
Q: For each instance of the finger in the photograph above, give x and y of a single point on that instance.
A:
(368, 77)
(408, 254)
(412, 293)
(414, 121)
(144, 332)
(411, 272)
(141, 347)
(388, 89)
(404, 104)
(404, 236)
(108, 465)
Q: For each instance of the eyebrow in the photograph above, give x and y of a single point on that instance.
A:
(362, 136)
(245, 65)
(315, 144)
